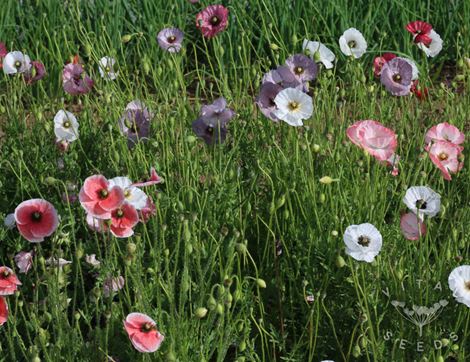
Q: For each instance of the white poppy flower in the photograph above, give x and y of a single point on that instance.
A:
(422, 200)
(91, 259)
(66, 126)
(133, 195)
(293, 106)
(9, 221)
(16, 62)
(106, 68)
(352, 42)
(363, 242)
(319, 53)
(414, 68)
(459, 283)
(435, 47)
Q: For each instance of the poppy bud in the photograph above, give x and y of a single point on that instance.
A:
(281, 201)
(35, 359)
(340, 261)
(467, 62)
(455, 347)
(79, 252)
(126, 38)
(322, 198)
(166, 252)
(212, 303)
(460, 77)
(20, 303)
(242, 346)
(363, 342)
(334, 233)
(261, 283)
(170, 357)
(77, 316)
(50, 181)
(356, 351)
(316, 148)
(440, 359)
(200, 312)
(274, 46)
(445, 342)
(241, 248)
(326, 180)
(219, 309)
(189, 248)
(131, 248)
(228, 299)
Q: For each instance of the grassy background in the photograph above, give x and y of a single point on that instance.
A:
(224, 214)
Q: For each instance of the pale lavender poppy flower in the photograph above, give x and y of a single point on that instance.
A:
(112, 285)
(75, 80)
(303, 68)
(170, 39)
(284, 77)
(210, 134)
(216, 113)
(135, 123)
(24, 261)
(265, 100)
(35, 73)
(396, 76)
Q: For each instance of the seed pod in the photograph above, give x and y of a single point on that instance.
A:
(219, 309)
(126, 38)
(200, 312)
(340, 261)
(261, 283)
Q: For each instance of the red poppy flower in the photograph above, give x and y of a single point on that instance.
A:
(123, 219)
(98, 199)
(420, 93)
(143, 332)
(420, 30)
(212, 20)
(36, 219)
(3, 310)
(8, 281)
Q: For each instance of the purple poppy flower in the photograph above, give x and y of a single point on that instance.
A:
(265, 100)
(112, 285)
(24, 261)
(217, 112)
(303, 68)
(210, 134)
(36, 72)
(75, 80)
(284, 77)
(170, 39)
(135, 123)
(396, 76)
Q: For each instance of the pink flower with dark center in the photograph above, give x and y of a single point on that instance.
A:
(8, 281)
(447, 157)
(212, 20)
(75, 80)
(411, 226)
(24, 261)
(420, 30)
(98, 198)
(36, 219)
(444, 132)
(372, 136)
(3, 310)
(379, 62)
(36, 72)
(123, 219)
(142, 332)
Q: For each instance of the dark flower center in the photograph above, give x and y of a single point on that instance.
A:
(363, 241)
(421, 204)
(132, 126)
(36, 216)
(103, 193)
(147, 327)
(171, 39)
(352, 44)
(119, 213)
(271, 102)
(5, 274)
(107, 69)
(443, 156)
(467, 285)
(210, 129)
(215, 20)
(397, 78)
(17, 64)
(66, 124)
(127, 193)
(293, 106)
(298, 70)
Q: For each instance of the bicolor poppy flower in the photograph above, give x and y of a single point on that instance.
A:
(170, 39)
(106, 68)
(303, 68)
(422, 201)
(37, 72)
(396, 76)
(265, 100)
(434, 47)
(135, 123)
(293, 106)
(24, 261)
(444, 132)
(66, 126)
(142, 332)
(459, 283)
(352, 43)
(412, 227)
(95, 224)
(98, 198)
(75, 80)
(447, 157)
(363, 242)
(8, 281)
(3, 310)
(36, 219)
(132, 194)
(319, 53)
(212, 20)
(16, 62)
(123, 219)
(153, 180)
(420, 31)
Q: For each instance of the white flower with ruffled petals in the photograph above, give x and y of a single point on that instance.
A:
(65, 126)
(422, 200)
(293, 106)
(319, 53)
(352, 42)
(133, 195)
(459, 283)
(106, 68)
(16, 62)
(363, 242)
(434, 47)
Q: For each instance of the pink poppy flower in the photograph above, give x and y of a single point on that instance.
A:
(98, 199)
(3, 311)
(142, 332)
(447, 157)
(444, 132)
(411, 226)
(153, 180)
(148, 211)
(75, 80)
(8, 281)
(36, 72)
(212, 20)
(24, 261)
(36, 219)
(379, 62)
(372, 136)
(123, 219)
(3, 53)
(420, 30)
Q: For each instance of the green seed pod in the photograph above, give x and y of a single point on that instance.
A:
(356, 351)
(77, 316)
(211, 303)
(200, 312)
(455, 347)
(242, 346)
(274, 46)
(219, 309)
(440, 359)
(166, 252)
(35, 359)
(261, 283)
(322, 198)
(316, 148)
(340, 261)
(126, 38)
(20, 303)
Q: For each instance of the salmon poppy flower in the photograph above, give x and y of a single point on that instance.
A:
(379, 62)
(98, 198)
(420, 31)
(212, 20)
(447, 157)
(444, 132)
(3, 311)
(412, 226)
(123, 219)
(8, 281)
(142, 332)
(36, 219)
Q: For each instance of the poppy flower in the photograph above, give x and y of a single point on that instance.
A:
(170, 39)
(212, 20)
(112, 285)
(75, 80)
(434, 47)
(319, 53)
(3, 53)
(379, 62)
(216, 113)
(363, 242)
(135, 123)
(24, 261)
(148, 211)
(16, 62)
(422, 201)
(123, 219)
(133, 195)
(444, 132)
(265, 100)
(447, 157)
(8, 281)
(65, 126)
(210, 134)
(98, 198)
(35, 73)
(293, 106)
(459, 283)
(36, 219)
(57, 262)
(91, 259)
(142, 332)
(283, 76)
(396, 76)
(153, 180)
(3, 310)
(420, 93)
(106, 68)
(303, 68)
(94, 224)
(352, 43)
(412, 226)
(9, 221)
(420, 31)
